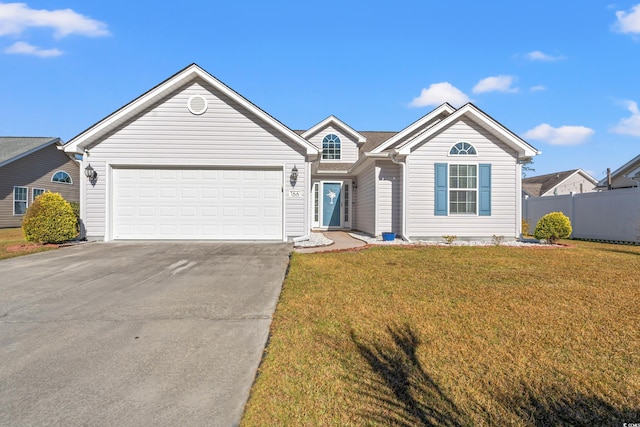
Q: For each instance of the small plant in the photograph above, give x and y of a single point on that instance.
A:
(49, 219)
(497, 240)
(526, 227)
(552, 227)
(449, 239)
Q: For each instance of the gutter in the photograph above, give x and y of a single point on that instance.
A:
(403, 232)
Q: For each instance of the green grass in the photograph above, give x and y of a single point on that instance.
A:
(455, 336)
(12, 244)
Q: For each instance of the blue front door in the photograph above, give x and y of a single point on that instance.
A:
(331, 204)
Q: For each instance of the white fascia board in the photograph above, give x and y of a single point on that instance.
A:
(444, 108)
(363, 160)
(56, 141)
(336, 121)
(77, 144)
(620, 171)
(523, 148)
(586, 175)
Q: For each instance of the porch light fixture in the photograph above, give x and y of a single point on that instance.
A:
(294, 174)
(90, 172)
(354, 184)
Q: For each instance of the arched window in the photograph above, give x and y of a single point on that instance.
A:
(331, 147)
(61, 177)
(462, 149)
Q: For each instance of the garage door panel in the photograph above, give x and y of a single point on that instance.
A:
(197, 204)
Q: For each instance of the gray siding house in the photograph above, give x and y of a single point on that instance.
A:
(626, 176)
(193, 159)
(30, 166)
(575, 181)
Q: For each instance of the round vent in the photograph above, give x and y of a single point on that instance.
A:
(197, 104)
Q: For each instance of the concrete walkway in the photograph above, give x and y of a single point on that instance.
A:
(341, 241)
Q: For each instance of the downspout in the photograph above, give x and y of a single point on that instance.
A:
(403, 165)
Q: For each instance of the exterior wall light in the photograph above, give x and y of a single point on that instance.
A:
(90, 172)
(294, 174)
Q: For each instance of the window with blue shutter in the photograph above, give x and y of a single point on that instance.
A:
(484, 189)
(441, 189)
(462, 189)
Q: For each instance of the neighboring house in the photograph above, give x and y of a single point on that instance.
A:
(28, 168)
(192, 159)
(555, 184)
(626, 176)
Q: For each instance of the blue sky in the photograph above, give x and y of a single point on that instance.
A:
(565, 76)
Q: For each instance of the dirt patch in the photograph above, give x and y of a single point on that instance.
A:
(29, 246)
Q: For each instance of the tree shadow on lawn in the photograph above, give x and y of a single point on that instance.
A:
(396, 390)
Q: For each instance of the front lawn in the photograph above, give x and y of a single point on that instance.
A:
(12, 244)
(455, 336)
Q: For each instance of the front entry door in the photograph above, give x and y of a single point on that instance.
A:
(331, 204)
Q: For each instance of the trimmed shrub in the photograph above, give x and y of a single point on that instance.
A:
(49, 219)
(553, 226)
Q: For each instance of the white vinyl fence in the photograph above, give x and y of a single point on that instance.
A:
(608, 215)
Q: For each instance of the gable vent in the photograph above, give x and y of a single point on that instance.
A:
(197, 104)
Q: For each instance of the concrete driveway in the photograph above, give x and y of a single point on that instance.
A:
(135, 333)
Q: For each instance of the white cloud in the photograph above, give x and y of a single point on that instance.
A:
(537, 55)
(27, 49)
(630, 125)
(439, 93)
(628, 22)
(564, 135)
(15, 18)
(538, 88)
(495, 84)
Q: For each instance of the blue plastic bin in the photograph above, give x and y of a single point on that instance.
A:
(388, 237)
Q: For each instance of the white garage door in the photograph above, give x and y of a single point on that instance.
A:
(197, 204)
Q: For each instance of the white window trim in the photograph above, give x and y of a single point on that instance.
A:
(322, 149)
(464, 156)
(476, 189)
(33, 190)
(14, 199)
(58, 182)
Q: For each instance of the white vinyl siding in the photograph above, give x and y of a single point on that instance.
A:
(169, 135)
(421, 221)
(388, 198)
(349, 145)
(365, 198)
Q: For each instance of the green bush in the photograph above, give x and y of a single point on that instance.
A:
(49, 219)
(76, 211)
(553, 226)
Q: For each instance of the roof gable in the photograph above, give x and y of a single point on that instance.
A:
(165, 89)
(422, 124)
(482, 119)
(333, 120)
(14, 148)
(632, 167)
(543, 184)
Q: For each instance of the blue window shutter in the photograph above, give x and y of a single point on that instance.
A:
(485, 190)
(441, 189)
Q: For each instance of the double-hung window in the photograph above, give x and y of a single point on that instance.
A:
(36, 192)
(462, 187)
(20, 200)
